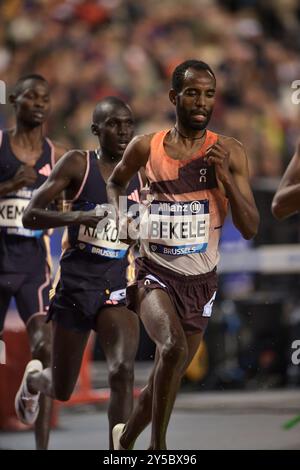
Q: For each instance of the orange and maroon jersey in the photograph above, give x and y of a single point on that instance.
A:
(181, 225)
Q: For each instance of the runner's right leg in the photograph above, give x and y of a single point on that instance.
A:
(4, 304)
(58, 381)
(162, 323)
(142, 413)
(67, 351)
(118, 332)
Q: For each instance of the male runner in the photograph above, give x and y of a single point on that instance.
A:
(91, 290)
(192, 173)
(26, 160)
(286, 201)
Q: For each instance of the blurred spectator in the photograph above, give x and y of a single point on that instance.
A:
(91, 48)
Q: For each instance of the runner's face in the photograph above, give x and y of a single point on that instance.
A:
(116, 131)
(32, 104)
(195, 102)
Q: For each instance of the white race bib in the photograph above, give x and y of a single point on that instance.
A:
(11, 213)
(103, 242)
(177, 228)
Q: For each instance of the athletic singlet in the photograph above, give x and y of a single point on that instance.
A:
(98, 246)
(185, 210)
(19, 246)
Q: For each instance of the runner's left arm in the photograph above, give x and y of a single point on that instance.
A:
(231, 165)
(286, 201)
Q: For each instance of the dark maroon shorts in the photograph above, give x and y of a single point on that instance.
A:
(193, 296)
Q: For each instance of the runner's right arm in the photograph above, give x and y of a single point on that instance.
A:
(25, 176)
(135, 157)
(287, 198)
(67, 175)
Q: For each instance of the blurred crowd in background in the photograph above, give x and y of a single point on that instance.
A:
(91, 48)
(87, 49)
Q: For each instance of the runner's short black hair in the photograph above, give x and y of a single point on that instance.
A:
(180, 70)
(18, 88)
(101, 107)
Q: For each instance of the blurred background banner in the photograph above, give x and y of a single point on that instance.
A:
(88, 49)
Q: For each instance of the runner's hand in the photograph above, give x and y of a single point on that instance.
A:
(25, 176)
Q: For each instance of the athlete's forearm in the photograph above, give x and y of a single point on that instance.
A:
(286, 202)
(43, 219)
(8, 187)
(244, 214)
(114, 192)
